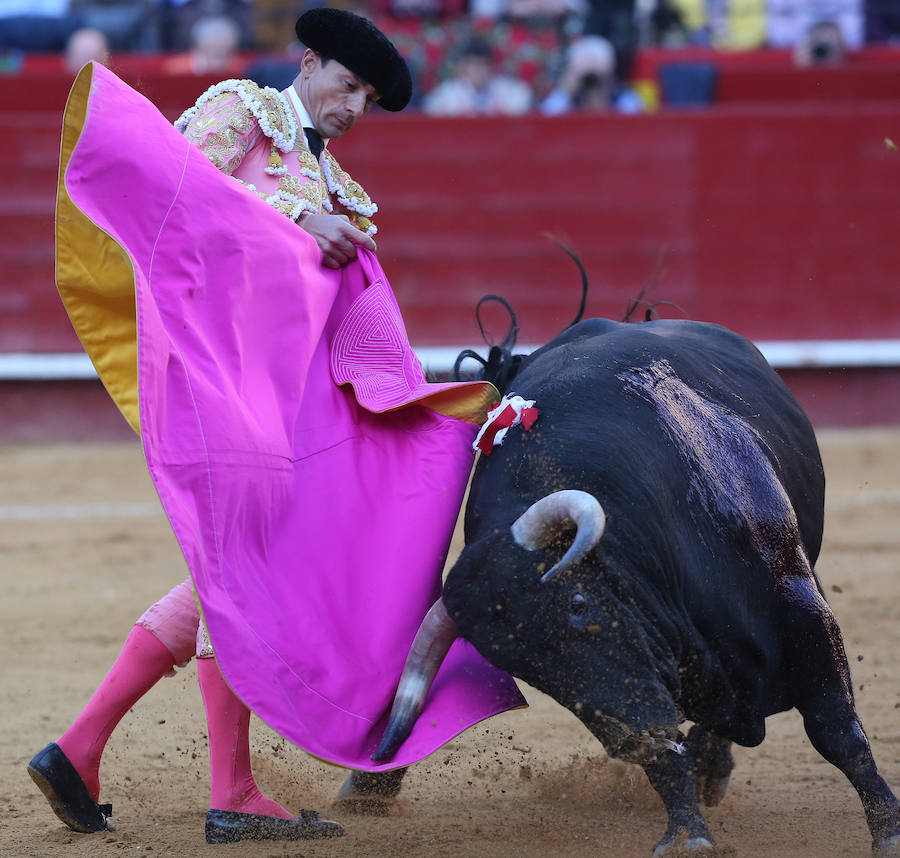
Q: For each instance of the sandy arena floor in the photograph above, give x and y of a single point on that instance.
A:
(85, 550)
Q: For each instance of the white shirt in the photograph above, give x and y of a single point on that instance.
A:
(302, 112)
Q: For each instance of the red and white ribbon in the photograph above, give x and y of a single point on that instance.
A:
(508, 412)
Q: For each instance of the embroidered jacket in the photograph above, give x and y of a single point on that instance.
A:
(252, 134)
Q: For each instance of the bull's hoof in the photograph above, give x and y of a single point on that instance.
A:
(889, 848)
(713, 764)
(689, 847)
(711, 790)
(369, 793)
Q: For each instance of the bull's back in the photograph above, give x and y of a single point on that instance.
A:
(615, 399)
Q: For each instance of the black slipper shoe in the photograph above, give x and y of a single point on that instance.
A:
(228, 826)
(63, 787)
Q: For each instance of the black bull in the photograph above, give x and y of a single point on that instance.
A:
(699, 601)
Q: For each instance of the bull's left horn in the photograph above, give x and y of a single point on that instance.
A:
(540, 522)
(426, 654)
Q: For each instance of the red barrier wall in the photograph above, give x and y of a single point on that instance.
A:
(779, 221)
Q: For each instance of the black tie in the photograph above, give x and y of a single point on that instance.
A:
(314, 139)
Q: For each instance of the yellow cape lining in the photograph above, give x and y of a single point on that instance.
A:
(95, 276)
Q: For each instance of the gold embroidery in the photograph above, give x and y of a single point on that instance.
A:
(275, 162)
(290, 184)
(363, 224)
(275, 109)
(307, 159)
(219, 129)
(350, 195)
(313, 192)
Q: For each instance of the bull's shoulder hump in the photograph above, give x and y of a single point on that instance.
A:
(690, 330)
(584, 331)
(613, 336)
(617, 343)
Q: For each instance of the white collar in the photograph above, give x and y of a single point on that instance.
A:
(302, 112)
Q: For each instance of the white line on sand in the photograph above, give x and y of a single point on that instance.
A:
(43, 512)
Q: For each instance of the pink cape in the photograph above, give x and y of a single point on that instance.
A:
(311, 491)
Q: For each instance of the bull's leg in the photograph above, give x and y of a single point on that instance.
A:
(370, 792)
(842, 741)
(712, 764)
(671, 775)
(825, 700)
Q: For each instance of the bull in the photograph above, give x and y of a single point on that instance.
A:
(644, 554)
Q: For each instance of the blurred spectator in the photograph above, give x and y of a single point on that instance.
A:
(475, 87)
(694, 20)
(416, 8)
(546, 8)
(660, 22)
(83, 46)
(617, 21)
(125, 23)
(36, 25)
(732, 24)
(528, 9)
(172, 30)
(177, 19)
(788, 22)
(214, 43)
(589, 82)
(882, 21)
(273, 23)
(822, 46)
(214, 49)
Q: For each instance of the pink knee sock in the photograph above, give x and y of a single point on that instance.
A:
(231, 786)
(140, 665)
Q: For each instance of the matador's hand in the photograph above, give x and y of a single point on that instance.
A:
(337, 238)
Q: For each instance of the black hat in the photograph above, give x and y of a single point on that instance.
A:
(355, 42)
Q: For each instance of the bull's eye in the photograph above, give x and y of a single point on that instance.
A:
(578, 603)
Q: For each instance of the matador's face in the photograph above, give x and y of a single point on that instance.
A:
(335, 97)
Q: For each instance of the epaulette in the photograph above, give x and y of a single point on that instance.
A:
(266, 104)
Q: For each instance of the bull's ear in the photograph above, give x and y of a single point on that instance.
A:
(541, 521)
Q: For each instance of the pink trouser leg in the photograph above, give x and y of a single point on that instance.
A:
(174, 620)
(165, 635)
(140, 665)
(231, 783)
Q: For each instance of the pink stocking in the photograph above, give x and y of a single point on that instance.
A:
(140, 665)
(231, 786)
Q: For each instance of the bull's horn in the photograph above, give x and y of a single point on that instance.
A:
(429, 647)
(539, 523)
